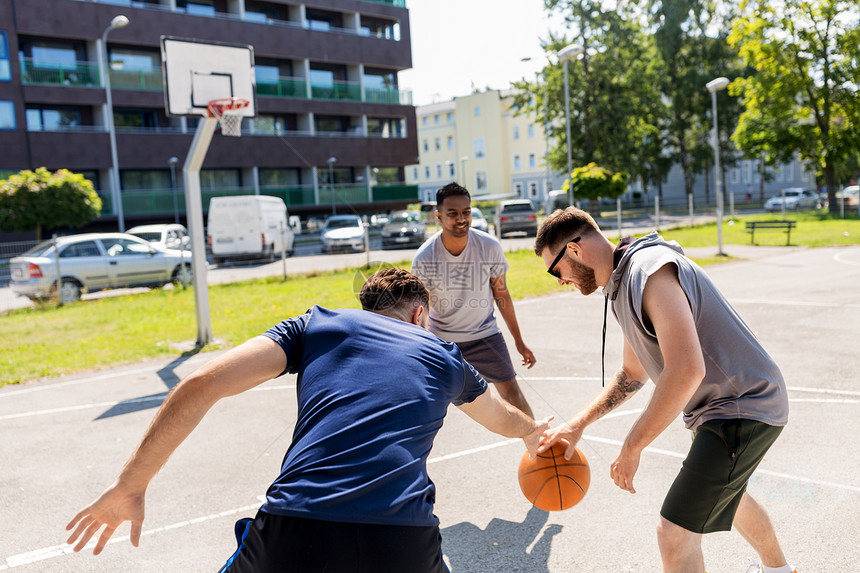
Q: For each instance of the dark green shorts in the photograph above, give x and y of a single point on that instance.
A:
(709, 487)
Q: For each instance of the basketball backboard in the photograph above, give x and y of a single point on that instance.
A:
(197, 72)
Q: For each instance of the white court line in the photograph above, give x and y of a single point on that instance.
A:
(793, 303)
(838, 258)
(65, 549)
(159, 397)
(39, 388)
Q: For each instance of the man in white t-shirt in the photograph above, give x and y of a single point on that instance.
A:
(464, 270)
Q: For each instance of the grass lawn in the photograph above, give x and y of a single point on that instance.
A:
(38, 343)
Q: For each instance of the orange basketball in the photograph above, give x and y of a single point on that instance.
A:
(552, 483)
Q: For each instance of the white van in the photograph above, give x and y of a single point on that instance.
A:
(248, 226)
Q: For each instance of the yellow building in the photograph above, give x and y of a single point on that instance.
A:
(479, 142)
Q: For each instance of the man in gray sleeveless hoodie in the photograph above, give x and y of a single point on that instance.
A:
(706, 363)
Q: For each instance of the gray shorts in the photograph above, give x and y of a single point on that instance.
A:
(490, 357)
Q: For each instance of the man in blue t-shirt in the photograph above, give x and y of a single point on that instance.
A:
(353, 494)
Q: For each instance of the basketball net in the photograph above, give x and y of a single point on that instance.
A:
(228, 112)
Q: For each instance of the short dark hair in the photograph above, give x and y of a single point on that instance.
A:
(393, 291)
(449, 190)
(563, 225)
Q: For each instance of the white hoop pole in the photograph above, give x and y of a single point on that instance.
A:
(194, 213)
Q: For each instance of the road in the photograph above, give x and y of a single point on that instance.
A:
(64, 440)
(308, 258)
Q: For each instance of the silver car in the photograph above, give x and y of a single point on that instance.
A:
(795, 199)
(164, 235)
(93, 262)
(343, 233)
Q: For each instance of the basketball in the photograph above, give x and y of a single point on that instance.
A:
(552, 483)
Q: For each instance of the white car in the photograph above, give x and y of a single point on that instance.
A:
(795, 199)
(165, 235)
(343, 233)
(93, 262)
(479, 221)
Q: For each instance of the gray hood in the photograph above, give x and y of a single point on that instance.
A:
(650, 240)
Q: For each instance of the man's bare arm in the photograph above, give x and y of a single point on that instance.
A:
(502, 418)
(506, 308)
(623, 385)
(240, 369)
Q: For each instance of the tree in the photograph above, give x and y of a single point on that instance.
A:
(615, 106)
(44, 200)
(593, 182)
(802, 98)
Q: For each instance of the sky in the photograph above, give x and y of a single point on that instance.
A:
(460, 43)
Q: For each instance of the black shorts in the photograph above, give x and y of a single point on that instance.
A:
(707, 491)
(272, 543)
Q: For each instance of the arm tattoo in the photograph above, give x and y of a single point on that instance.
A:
(618, 391)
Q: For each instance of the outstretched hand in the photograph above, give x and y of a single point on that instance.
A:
(533, 439)
(110, 510)
(529, 359)
(567, 434)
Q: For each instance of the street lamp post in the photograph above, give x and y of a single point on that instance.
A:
(331, 161)
(570, 52)
(118, 22)
(172, 163)
(714, 86)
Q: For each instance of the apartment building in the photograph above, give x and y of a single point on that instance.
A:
(479, 141)
(326, 87)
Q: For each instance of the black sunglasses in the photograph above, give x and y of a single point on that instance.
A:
(551, 270)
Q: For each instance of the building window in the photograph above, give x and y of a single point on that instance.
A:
(7, 115)
(144, 178)
(450, 142)
(52, 119)
(436, 118)
(477, 111)
(517, 165)
(438, 171)
(531, 160)
(518, 189)
(736, 175)
(480, 148)
(415, 173)
(451, 169)
(531, 131)
(383, 29)
(481, 181)
(532, 189)
(516, 132)
(748, 169)
(280, 178)
(267, 124)
(426, 145)
(424, 120)
(5, 70)
(426, 172)
(437, 143)
(384, 127)
(450, 116)
(198, 7)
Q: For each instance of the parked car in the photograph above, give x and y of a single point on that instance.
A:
(404, 229)
(166, 236)
(343, 232)
(517, 215)
(850, 196)
(95, 261)
(248, 227)
(795, 199)
(479, 221)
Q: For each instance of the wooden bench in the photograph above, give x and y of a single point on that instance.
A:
(786, 226)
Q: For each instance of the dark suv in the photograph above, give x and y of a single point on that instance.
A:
(517, 215)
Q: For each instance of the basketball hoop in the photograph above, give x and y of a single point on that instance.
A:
(228, 111)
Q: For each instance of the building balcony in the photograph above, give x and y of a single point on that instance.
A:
(155, 202)
(87, 74)
(77, 74)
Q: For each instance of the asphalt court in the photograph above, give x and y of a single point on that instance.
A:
(64, 440)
